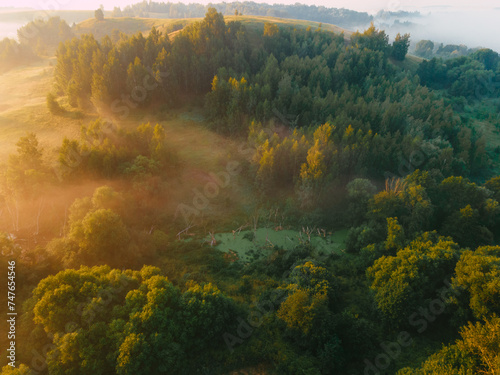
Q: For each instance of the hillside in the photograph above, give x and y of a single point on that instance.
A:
(26, 110)
(130, 25)
(23, 108)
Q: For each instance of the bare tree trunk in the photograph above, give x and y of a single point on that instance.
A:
(41, 206)
(14, 214)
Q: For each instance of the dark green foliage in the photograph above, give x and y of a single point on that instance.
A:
(129, 322)
(400, 46)
(106, 151)
(477, 351)
(372, 38)
(474, 76)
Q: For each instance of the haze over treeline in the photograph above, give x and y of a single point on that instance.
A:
(451, 24)
(474, 28)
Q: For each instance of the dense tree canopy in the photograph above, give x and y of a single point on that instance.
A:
(128, 322)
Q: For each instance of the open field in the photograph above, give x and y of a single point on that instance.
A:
(23, 108)
(250, 245)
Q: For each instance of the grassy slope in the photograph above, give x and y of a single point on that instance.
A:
(23, 90)
(257, 23)
(23, 108)
(129, 25)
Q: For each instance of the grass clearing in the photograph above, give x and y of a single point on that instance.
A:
(23, 108)
(250, 245)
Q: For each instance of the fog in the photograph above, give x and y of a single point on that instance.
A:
(474, 28)
(9, 29)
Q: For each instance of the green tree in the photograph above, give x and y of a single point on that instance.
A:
(424, 48)
(359, 192)
(117, 12)
(372, 38)
(129, 322)
(99, 14)
(97, 234)
(308, 298)
(26, 172)
(270, 29)
(404, 282)
(400, 46)
(101, 236)
(465, 227)
(395, 235)
(53, 105)
(493, 184)
(477, 279)
(476, 352)
(137, 74)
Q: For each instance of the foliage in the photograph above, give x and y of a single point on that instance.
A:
(125, 322)
(400, 46)
(424, 48)
(327, 119)
(413, 277)
(477, 351)
(13, 54)
(106, 151)
(53, 105)
(477, 277)
(43, 35)
(474, 76)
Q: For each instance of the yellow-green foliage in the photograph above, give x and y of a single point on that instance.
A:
(307, 298)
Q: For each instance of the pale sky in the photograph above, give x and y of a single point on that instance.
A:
(360, 5)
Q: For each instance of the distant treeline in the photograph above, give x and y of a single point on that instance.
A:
(12, 53)
(384, 14)
(429, 49)
(36, 38)
(42, 35)
(466, 78)
(341, 17)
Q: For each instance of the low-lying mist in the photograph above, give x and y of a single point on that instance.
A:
(474, 28)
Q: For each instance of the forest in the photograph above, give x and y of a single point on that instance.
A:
(255, 198)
